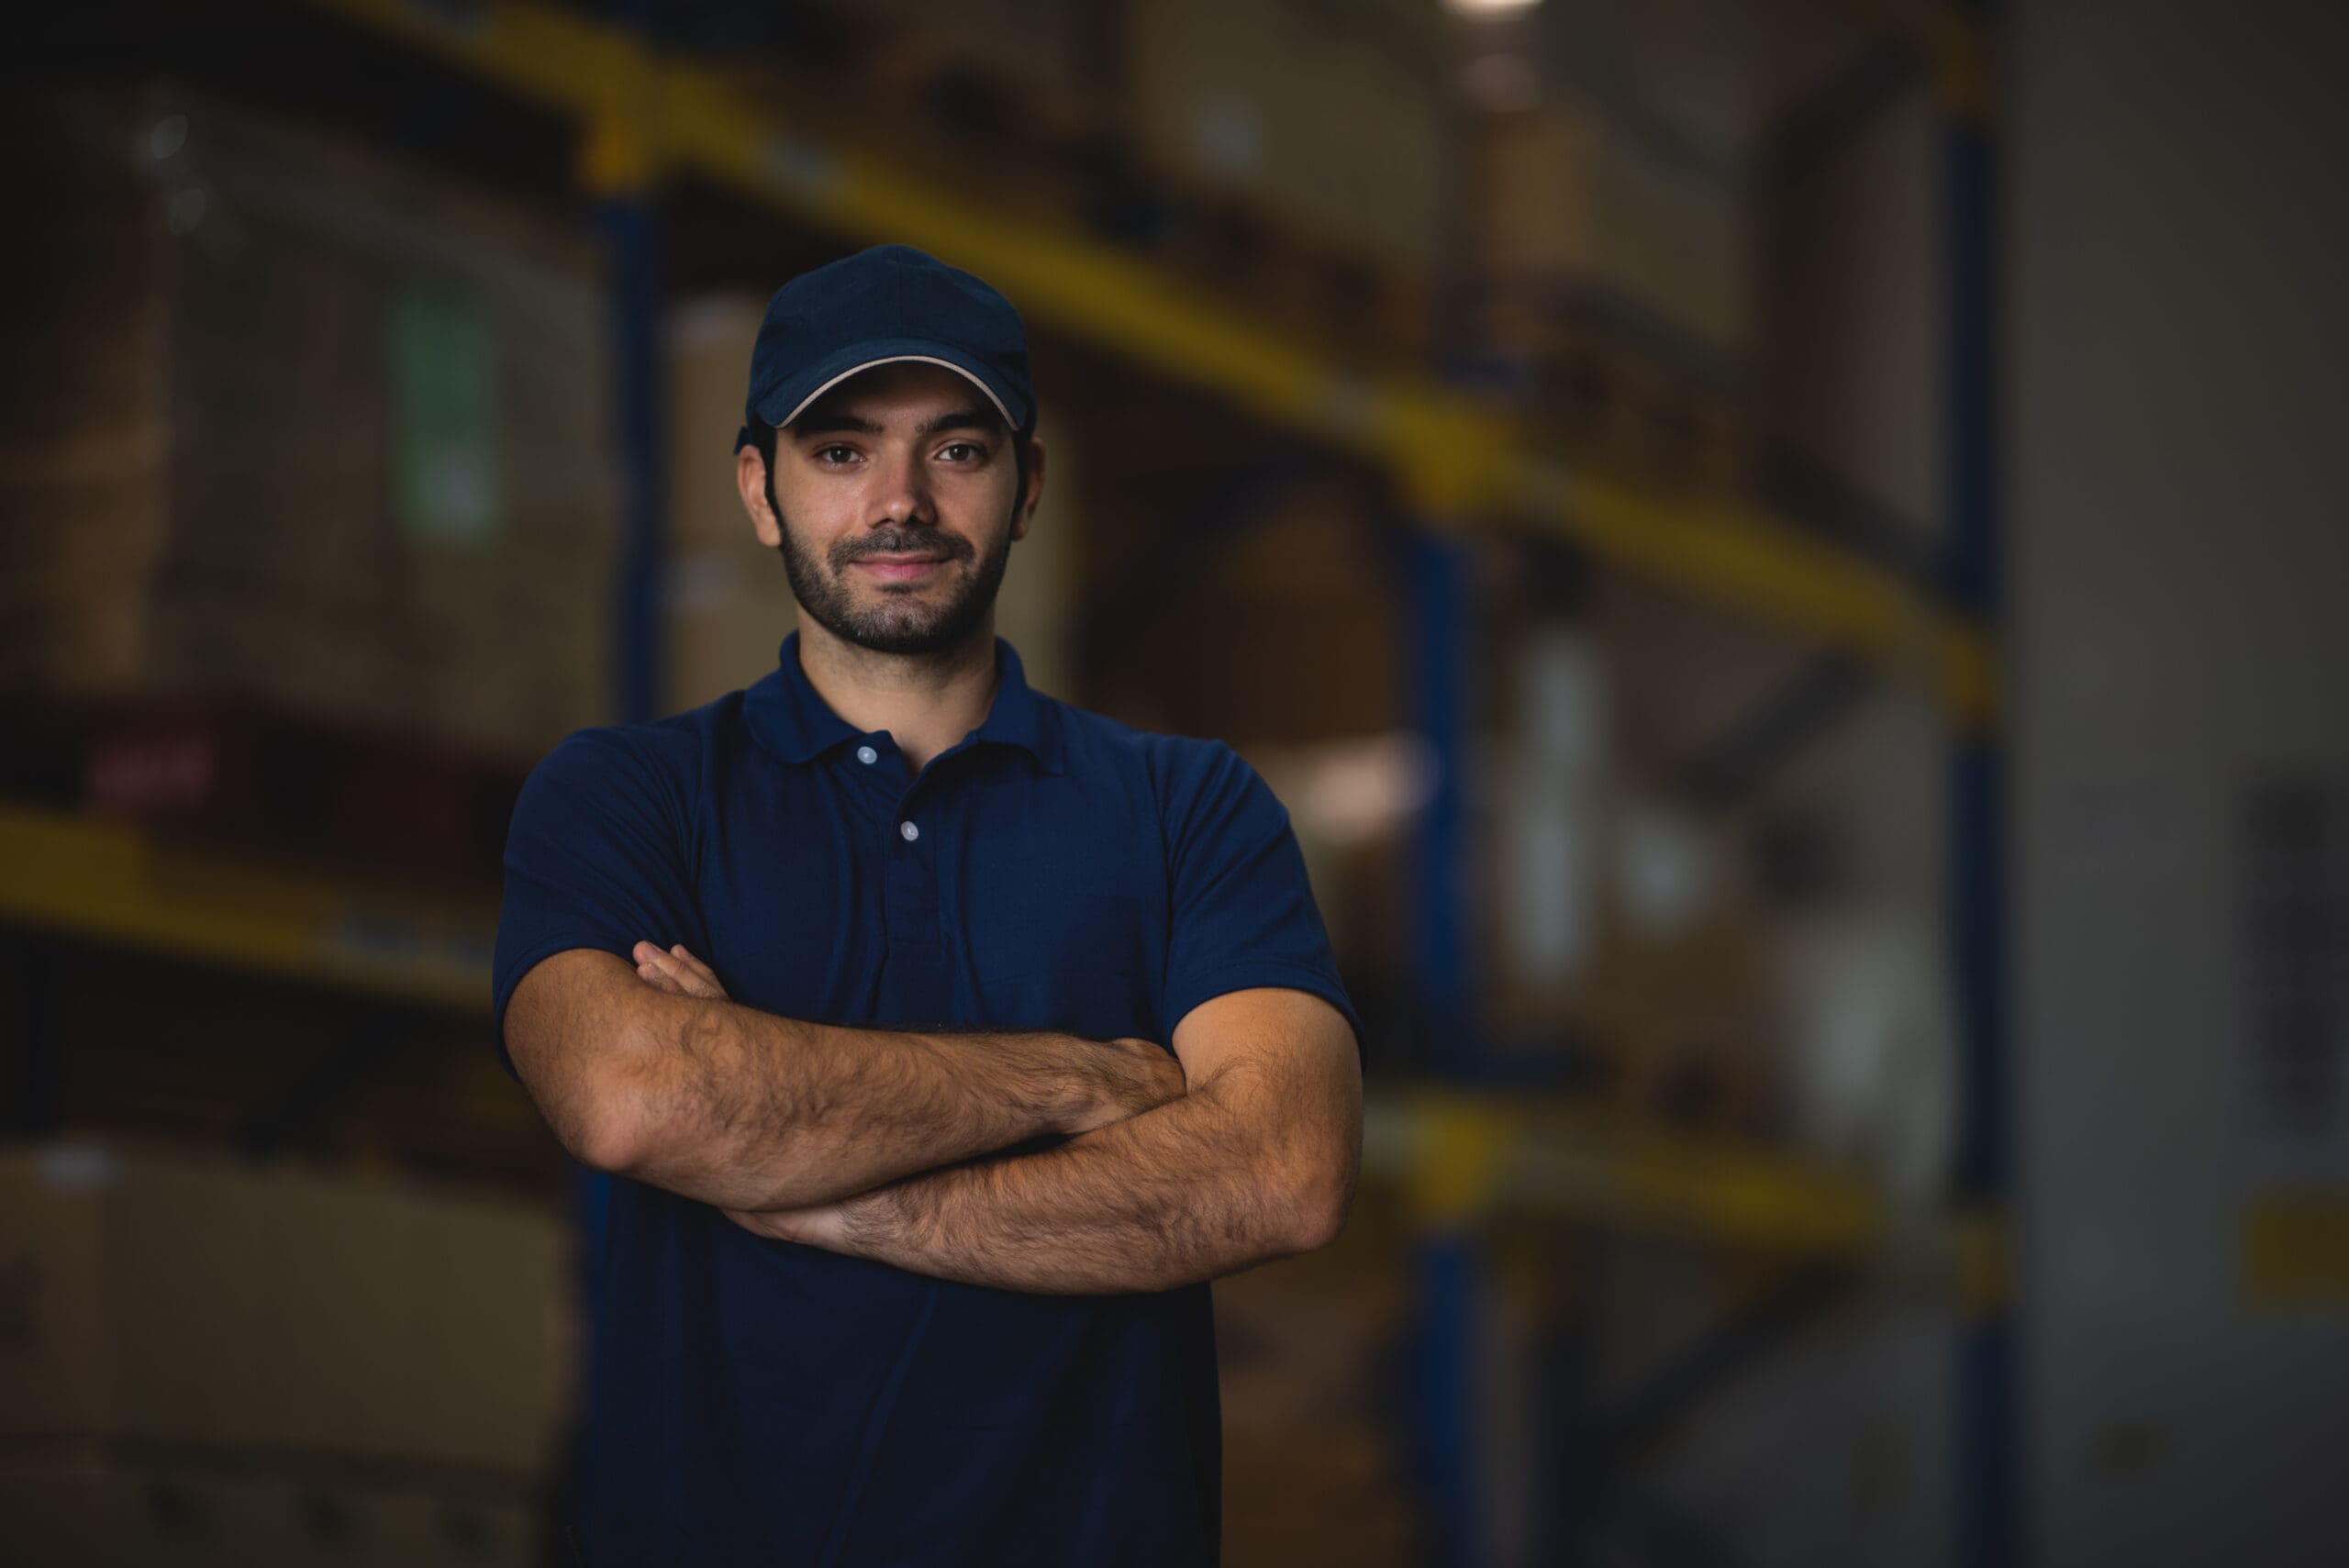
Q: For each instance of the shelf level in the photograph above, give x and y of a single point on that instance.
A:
(115, 882)
(1461, 1158)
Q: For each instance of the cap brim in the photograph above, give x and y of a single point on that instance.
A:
(788, 402)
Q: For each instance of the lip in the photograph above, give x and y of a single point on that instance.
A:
(899, 568)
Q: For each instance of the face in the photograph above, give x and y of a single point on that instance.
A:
(895, 508)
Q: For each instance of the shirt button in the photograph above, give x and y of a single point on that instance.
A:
(909, 831)
(866, 753)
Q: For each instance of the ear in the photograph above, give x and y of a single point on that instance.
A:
(750, 478)
(1035, 488)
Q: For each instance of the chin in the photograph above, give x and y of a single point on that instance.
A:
(929, 634)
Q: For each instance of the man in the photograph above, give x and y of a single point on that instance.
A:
(944, 1040)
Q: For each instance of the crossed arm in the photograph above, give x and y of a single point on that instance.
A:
(1252, 1156)
(1255, 1160)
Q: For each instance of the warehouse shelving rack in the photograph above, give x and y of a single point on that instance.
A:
(1460, 1154)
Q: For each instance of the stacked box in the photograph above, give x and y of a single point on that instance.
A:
(1569, 206)
(1035, 608)
(1309, 621)
(1311, 1355)
(207, 1362)
(185, 1299)
(1334, 117)
(1038, 46)
(727, 603)
(306, 424)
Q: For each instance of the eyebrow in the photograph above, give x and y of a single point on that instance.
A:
(952, 419)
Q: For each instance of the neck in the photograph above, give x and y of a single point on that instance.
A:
(927, 702)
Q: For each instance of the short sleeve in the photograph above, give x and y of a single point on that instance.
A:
(1243, 912)
(596, 857)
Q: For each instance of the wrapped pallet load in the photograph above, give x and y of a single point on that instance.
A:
(310, 426)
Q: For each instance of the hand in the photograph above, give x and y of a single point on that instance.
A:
(823, 1226)
(835, 1227)
(676, 972)
(1142, 1074)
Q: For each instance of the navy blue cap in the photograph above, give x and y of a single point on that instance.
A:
(880, 307)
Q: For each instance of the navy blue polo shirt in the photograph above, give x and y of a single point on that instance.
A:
(766, 1402)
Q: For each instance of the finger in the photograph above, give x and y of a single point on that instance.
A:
(699, 977)
(651, 973)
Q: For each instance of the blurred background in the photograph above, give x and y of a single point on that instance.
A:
(1785, 557)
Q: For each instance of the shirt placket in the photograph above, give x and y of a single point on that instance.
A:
(916, 987)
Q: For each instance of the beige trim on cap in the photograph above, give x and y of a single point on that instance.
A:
(1009, 422)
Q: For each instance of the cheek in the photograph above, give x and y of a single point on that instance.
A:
(806, 524)
(984, 505)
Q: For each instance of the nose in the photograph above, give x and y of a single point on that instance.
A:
(901, 491)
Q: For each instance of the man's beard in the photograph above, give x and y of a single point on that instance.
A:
(900, 623)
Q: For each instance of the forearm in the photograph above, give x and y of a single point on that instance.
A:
(739, 1107)
(1184, 1192)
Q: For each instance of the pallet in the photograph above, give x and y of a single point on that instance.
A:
(238, 774)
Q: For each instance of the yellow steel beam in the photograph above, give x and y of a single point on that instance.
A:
(2295, 1250)
(1734, 554)
(1460, 1159)
(114, 883)
(1463, 464)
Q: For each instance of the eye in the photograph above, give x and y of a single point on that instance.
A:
(835, 453)
(971, 452)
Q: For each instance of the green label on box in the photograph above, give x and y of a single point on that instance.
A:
(445, 480)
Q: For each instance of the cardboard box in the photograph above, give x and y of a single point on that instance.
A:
(1307, 626)
(1039, 48)
(182, 1298)
(191, 1513)
(1312, 1352)
(726, 600)
(1567, 206)
(1334, 117)
(310, 424)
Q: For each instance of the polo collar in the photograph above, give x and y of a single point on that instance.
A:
(795, 722)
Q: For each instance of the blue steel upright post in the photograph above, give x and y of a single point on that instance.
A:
(617, 169)
(1449, 1265)
(1987, 1427)
(1442, 588)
